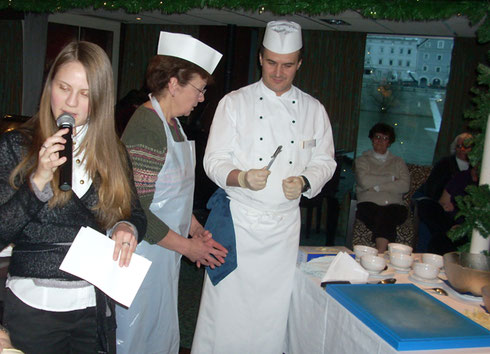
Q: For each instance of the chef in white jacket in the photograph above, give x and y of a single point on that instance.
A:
(247, 311)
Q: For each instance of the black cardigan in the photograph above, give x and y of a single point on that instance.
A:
(35, 228)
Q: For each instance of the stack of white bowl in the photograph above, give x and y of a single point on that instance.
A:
(402, 261)
(369, 259)
(401, 257)
(429, 267)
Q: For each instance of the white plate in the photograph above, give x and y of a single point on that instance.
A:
(317, 267)
(429, 282)
(453, 293)
(401, 270)
(389, 273)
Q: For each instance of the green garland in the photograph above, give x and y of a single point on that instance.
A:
(396, 10)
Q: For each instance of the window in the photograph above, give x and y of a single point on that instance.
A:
(381, 49)
(440, 44)
(407, 89)
(392, 51)
(439, 57)
(427, 44)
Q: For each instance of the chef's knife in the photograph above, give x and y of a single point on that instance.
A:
(273, 157)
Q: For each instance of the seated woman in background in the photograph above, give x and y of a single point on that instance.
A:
(440, 242)
(381, 180)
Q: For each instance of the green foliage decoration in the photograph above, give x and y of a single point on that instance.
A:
(396, 10)
(475, 208)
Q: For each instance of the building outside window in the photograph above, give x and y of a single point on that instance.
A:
(408, 93)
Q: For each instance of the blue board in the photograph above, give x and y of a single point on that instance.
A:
(408, 318)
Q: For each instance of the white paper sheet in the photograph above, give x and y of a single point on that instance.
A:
(90, 258)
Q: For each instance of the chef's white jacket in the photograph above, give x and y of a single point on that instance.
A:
(249, 125)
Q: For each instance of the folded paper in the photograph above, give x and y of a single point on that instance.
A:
(345, 268)
(90, 258)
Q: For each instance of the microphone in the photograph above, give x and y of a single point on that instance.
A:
(66, 121)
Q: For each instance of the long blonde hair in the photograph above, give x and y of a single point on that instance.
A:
(106, 157)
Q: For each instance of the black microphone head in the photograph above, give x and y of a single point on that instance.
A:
(65, 120)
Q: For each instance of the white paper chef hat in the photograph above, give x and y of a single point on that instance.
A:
(187, 47)
(282, 37)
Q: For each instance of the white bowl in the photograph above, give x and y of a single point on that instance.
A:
(425, 270)
(401, 260)
(361, 250)
(399, 248)
(433, 259)
(372, 263)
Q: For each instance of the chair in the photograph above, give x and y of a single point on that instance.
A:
(328, 192)
(359, 234)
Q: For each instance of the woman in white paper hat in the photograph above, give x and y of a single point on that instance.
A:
(164, 161)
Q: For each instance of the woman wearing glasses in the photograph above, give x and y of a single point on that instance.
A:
(164, 161)
(381, 181)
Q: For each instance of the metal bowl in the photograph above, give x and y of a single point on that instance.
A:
(485, 293)
(467, 272)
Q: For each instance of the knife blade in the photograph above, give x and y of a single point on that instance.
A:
(273, 157)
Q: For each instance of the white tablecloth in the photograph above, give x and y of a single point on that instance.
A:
(317, 323)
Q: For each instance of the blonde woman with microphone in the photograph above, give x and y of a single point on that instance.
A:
(46, 309)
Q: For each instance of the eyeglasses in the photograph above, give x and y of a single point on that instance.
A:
(201, 92)
(461, 146)
(381, 137)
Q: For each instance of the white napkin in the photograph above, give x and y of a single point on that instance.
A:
(345, 268)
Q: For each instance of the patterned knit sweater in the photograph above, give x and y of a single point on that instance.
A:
(146, 142)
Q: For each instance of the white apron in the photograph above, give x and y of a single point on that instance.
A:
(151, 324)
(247, 311)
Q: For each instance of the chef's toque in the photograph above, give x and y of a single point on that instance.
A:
(187, 47)
(282, 37)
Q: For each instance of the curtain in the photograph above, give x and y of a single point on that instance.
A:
(11, 67)
(138, 44)
(332, 73)
(467, 54)
(35, 38)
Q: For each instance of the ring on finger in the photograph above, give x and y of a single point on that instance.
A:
(126, 243)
